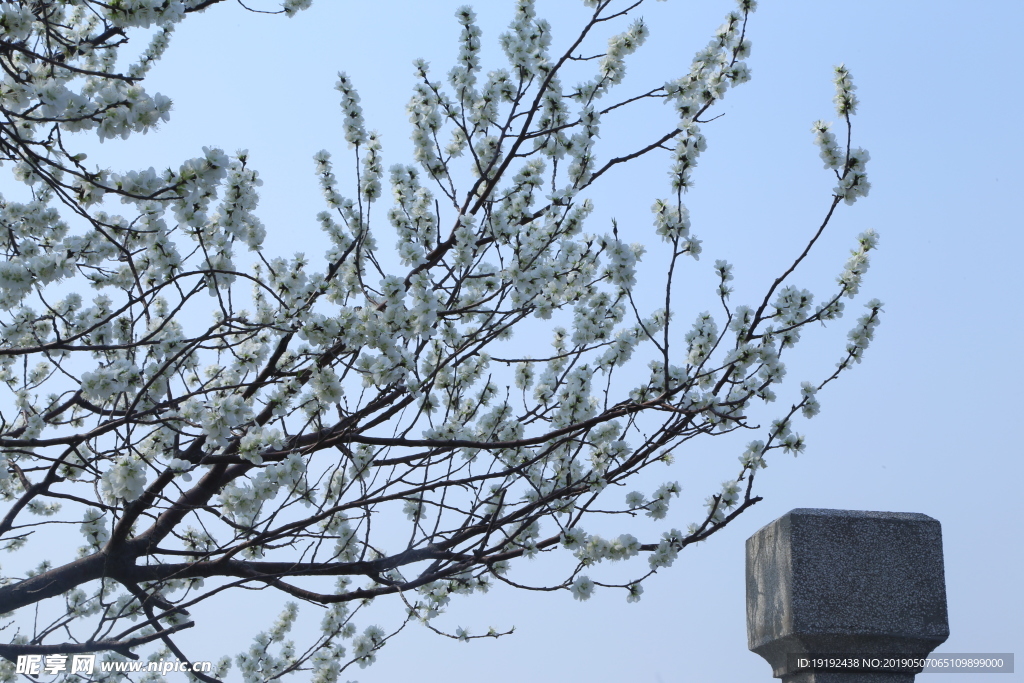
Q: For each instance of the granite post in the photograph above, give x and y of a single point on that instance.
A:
(861, 592)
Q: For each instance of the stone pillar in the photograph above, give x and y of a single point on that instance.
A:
(845, 583)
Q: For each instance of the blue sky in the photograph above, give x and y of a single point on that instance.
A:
(925, 424)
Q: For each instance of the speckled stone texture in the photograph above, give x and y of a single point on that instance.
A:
(826, 582)
(848, 677)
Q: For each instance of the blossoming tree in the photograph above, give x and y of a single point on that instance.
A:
(357, 426)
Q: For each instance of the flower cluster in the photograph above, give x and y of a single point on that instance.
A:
(861, 335)
(244, 502)
(259, 664)
(125, 479)
(365, 645)
(527, 40)
(612, 68)
(825, 139)
(854, 182)
(107, 381)
(857, 265)
(94, 528)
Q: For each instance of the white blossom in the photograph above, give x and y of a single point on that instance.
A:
(582, 588)
(125, 480)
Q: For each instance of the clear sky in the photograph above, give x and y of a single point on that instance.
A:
(925, 424)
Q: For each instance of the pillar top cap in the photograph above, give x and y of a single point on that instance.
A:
(825, 581)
